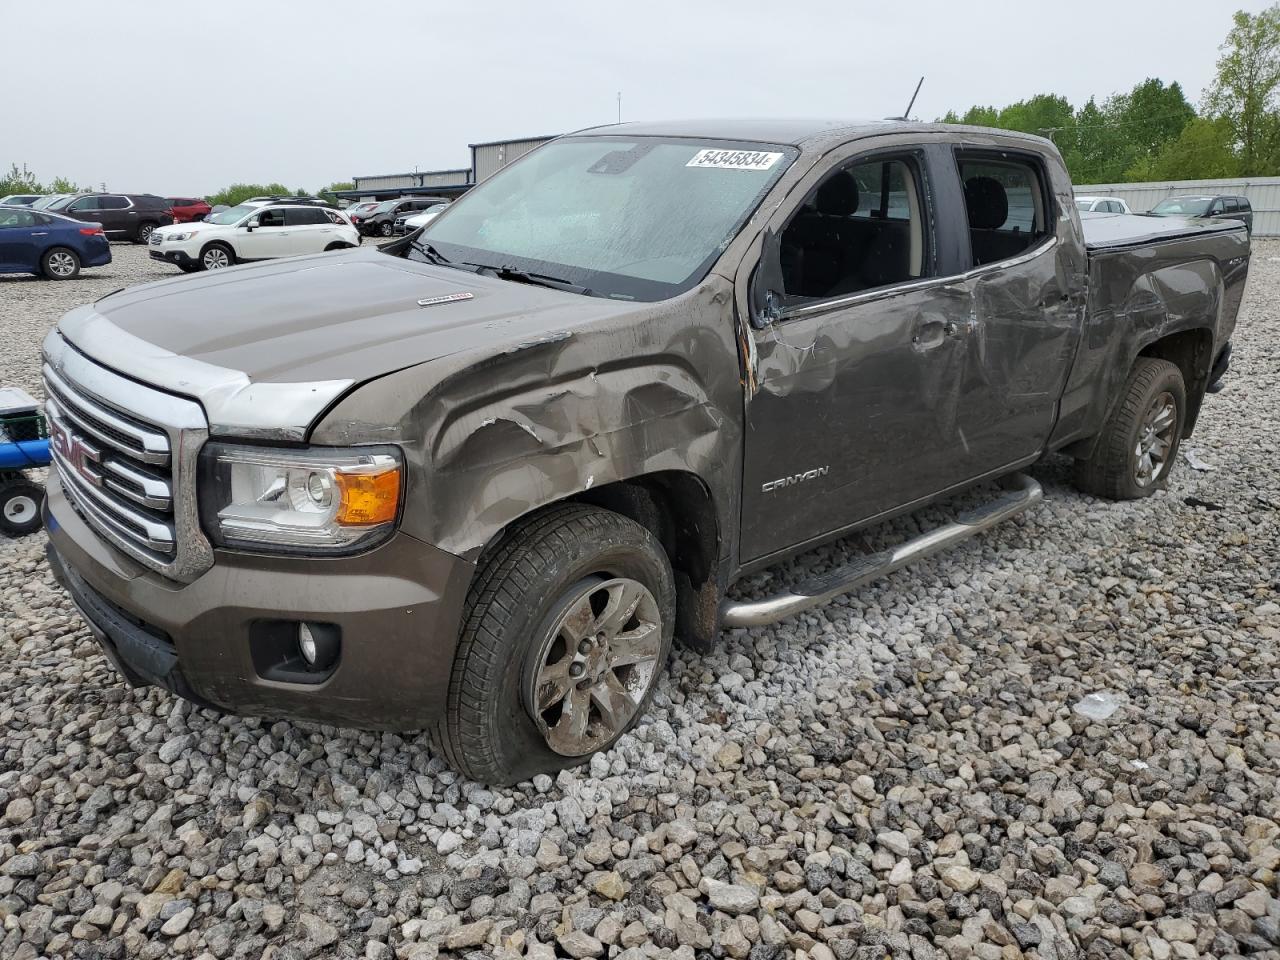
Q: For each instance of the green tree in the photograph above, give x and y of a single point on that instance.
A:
(1202, 151)
(1244, 92)
(240, 192)
(24, 181)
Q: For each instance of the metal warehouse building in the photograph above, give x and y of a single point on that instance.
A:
(486, 160)
(1263, 194)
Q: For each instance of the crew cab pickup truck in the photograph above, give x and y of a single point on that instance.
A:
(475, 482)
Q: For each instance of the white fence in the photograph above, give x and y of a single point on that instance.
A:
(1263, 194)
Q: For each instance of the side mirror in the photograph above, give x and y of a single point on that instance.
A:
(251, 224)
(766, 285)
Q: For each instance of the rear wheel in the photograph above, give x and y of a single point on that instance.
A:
(567, 627)
(216, 256)
(20, 507)
(1139, 443)
(144, 232)
(60, 264)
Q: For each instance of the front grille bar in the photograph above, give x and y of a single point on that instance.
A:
(103, 425)
(135, 529)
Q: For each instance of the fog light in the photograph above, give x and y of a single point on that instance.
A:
(307, 644)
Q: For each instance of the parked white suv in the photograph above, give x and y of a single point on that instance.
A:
(1101, 205)
(253, 230)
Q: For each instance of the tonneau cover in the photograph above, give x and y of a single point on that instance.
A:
(1110, 231)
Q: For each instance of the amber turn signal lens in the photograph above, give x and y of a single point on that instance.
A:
(368, 498)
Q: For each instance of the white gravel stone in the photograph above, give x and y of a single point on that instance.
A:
(917, 732)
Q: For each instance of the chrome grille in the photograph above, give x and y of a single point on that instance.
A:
(125, 457)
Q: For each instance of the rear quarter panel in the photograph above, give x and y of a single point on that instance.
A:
(1141, 294)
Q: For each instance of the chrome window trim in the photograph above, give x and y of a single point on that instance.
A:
(883, 293)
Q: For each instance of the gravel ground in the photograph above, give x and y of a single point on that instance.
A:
(898, 773)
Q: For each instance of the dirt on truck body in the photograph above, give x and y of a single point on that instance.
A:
(478, 480)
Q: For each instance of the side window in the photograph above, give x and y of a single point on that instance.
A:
(862, 228)
(1215, 208)
(1245, 205)
(1229, 205)
(271, 218)
(1007, 205)
(85, 203)
(112, 203)
(335, 217)
(304, 217)
(11, 217)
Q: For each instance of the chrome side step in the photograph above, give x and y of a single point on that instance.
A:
(1022, 491)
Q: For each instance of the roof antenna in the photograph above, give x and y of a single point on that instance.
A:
(906, 114)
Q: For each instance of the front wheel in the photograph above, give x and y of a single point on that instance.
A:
(1139, 442)
(385, 229)
(566, 629)
(20, 507)
(216, 256)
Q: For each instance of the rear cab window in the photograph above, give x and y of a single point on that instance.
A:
(1007, 203)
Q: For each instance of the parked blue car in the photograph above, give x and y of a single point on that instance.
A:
(49, 245)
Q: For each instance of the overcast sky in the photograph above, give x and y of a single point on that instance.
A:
(178, 98)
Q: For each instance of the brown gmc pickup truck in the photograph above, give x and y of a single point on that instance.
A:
(476, 481)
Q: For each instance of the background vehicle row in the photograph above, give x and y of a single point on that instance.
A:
(254, 230)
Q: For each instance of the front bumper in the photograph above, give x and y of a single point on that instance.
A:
(179, 258)
(399, 609)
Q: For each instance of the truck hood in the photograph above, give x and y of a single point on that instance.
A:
(311, 327)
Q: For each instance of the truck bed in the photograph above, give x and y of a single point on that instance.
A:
(1110, 231)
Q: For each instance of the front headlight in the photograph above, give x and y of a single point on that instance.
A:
(181, 236)
(321, 500)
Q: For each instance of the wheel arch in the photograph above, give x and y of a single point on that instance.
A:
(679, 509)
(1191, 351)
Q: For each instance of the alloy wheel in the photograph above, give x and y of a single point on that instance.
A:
(216, 259)
(62, 264)
(1155, 439)
(595, 666)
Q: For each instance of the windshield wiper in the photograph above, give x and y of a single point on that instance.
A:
(431, 253)
(537, 279)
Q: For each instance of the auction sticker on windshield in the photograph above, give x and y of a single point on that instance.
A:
(734, 159)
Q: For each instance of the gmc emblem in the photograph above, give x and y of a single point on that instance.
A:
(76, 453)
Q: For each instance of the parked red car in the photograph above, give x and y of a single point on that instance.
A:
(188, 209)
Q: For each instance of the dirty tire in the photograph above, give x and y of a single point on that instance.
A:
(518, 590)
(1112, 470)
(20, 507)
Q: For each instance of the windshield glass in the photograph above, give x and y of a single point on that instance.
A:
(360, 207)
(233, 215)
(385, 205)
(635, 218)
(1184, 206)
(58, 202)
(1084, 204)
(44, 202)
